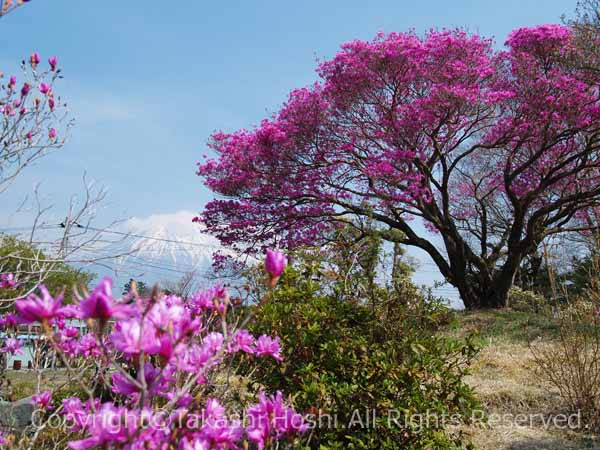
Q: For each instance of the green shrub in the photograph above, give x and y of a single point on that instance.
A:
(348, 359)
(526, 301)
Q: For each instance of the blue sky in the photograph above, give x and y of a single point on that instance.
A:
(149, 81)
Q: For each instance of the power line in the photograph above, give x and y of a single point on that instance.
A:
(121, 233)
(154, 238)
(137, 260)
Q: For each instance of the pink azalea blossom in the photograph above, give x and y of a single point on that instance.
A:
(9, 320)
(196, 443)
(39, 309)
(185, 351)
(43, 400)
(125, 386)
(100, 304)
(12, 346)
(267, 346)
(8, 281)
(271, 418)
(75, 413)
(242, 341)
(210, 299)
(109, 426)
(132, 336)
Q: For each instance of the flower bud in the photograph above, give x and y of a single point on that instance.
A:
(275, 264)
(34, 59)
(53, 61)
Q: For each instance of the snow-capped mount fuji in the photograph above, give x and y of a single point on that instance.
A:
(166, 247)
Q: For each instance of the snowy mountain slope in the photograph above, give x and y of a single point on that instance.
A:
(165, 247)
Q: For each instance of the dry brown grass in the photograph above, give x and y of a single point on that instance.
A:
(504, 380)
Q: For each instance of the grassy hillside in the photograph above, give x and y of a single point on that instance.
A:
(505, 380)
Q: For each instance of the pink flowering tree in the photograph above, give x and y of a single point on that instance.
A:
(154, 373)
(33, 119)
(493, 150)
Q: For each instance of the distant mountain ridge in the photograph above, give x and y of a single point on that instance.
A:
(166, 247)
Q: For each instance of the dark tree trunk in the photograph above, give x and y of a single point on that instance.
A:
(483, 280)
(484, 294)
(487, 292)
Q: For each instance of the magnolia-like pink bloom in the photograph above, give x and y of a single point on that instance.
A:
(44, 88)
(39, 309)
(12, 346)
(43, 400)
(267, 346)
(7, 281)
(12, 81)
(53, 61)
(52, 133)
(34, 59)
(25, 89)
(275, 263)
(8, 110)
(51, 102)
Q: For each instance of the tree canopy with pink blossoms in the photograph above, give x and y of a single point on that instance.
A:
(494, 150)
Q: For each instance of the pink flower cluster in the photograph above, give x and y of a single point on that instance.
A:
(158, 357)
(29, 107)
(8, 281)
